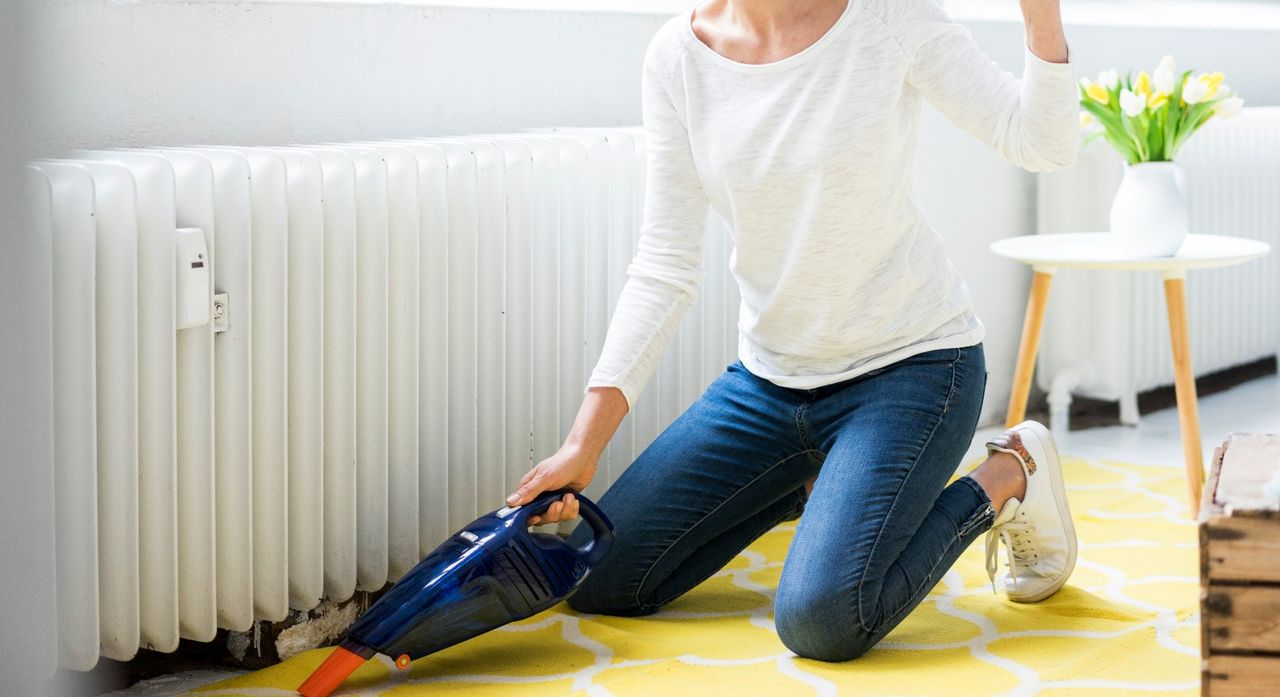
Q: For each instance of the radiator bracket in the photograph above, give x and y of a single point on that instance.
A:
(221, 312)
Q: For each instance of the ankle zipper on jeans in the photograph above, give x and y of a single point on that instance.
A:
(987, 511)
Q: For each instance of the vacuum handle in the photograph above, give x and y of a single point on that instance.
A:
(601, 527)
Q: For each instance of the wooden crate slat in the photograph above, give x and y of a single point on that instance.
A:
(1242, 676)
(1243, 549)
(1242, 618)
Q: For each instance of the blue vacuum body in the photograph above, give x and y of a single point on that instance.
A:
(492, 572)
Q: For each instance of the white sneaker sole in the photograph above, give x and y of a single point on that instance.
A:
(1059, 487)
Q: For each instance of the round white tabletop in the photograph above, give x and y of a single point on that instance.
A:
(1098, 250)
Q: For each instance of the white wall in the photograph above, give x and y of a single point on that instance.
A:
(27, 650)
(112, 73)
(146, 73)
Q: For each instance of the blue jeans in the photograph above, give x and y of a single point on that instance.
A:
(877, 533)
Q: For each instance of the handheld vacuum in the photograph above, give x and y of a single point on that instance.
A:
(492, 572)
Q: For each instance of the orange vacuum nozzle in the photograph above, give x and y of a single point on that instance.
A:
(340, 664)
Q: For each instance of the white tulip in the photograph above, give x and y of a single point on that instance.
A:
(1130, 103)
(1194, 90)
(1226, 108)
(1165, 75)
(1109, 79)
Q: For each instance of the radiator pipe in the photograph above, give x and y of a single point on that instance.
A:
(1059, 399)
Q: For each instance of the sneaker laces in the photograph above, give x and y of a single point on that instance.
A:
(1018, 537)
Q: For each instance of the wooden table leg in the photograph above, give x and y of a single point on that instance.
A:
(1027, 347)
(1184, 384)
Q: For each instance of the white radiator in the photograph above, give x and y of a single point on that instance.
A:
(409, 327)
(1106, 334)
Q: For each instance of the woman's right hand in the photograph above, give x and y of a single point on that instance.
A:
(568, 467)
(574, 464)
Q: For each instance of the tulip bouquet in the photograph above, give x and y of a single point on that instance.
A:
(1149, 117)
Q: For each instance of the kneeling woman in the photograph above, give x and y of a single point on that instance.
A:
(861, 371)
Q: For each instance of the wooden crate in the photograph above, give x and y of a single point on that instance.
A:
(1240, 570)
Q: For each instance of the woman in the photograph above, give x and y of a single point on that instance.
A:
(860, 357)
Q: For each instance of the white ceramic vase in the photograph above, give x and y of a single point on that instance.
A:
(1149, 212)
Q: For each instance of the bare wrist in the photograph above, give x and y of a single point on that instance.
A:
(574, 448)
(1045, 36)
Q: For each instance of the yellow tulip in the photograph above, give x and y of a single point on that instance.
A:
(1097, 93)
(1087, 120)
(1212, 82)
(1143, 84)
(1155, 100)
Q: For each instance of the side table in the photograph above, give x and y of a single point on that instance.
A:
(1098, 250)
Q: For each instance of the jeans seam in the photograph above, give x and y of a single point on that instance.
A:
(891, 619)
(804, 497)
(804, 435)
(703, 519)
(763, 530)
(862, 621)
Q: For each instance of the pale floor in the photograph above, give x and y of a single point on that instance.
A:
(1253, 406)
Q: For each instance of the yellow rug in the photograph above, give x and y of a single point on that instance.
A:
(1126, 623)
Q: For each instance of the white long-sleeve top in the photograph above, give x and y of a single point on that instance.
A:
(809, 160)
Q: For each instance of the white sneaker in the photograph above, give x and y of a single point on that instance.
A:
(1037, 531)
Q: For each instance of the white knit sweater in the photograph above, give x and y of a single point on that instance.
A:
(809, 161)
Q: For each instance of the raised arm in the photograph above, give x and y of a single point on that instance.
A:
(662, 281)
(1033, 121)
